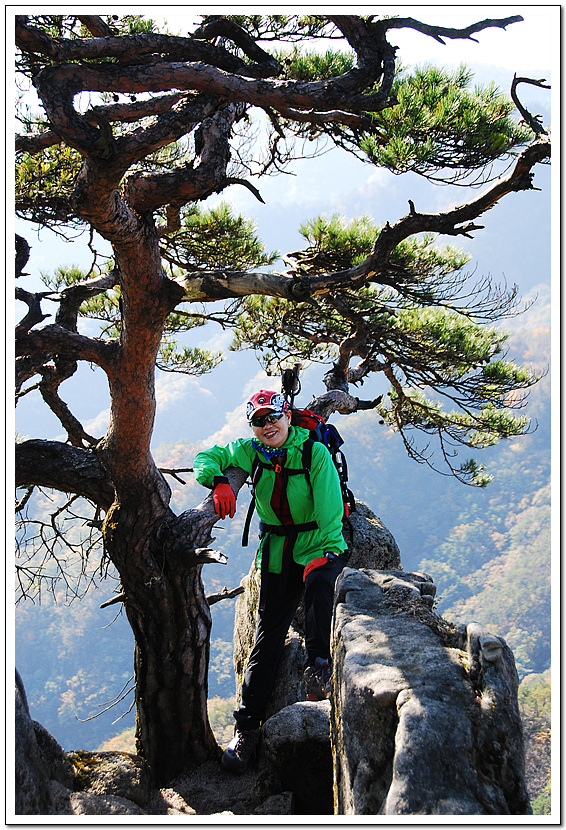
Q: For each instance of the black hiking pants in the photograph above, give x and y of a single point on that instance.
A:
(272, 626)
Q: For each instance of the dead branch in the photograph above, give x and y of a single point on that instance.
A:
(441, 32)
(175, 472)
(118, 598)
(225, 593)
(532, 120)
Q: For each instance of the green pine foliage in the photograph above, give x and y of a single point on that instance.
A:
(314, 66)
(448, 373)
(215, 238)
(441, 128)
(44, 183)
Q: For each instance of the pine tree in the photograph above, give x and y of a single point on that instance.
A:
(136, 128)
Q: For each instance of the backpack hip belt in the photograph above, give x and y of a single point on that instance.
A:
(291, 532)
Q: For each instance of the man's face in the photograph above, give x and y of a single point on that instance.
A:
(272, 434)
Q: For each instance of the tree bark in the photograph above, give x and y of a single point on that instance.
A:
(166, 607)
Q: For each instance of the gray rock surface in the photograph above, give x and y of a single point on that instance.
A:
(296, 757)
(371, 544)
(425, 718)
(277, 805)
(168, 802)
(65, 802)
(55, 761)
(91, 804)
(33, 795)
(112, 773)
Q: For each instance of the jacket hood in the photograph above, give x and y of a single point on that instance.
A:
(297, 437)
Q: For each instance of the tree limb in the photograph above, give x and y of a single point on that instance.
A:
(224, 28)
(51, 379)
(122, 113)
(205, 176)
(56, 339)
(353, 120)
(339, 93)
(440, 32)
(22, 255)
(458, 221)
(123, 47)
(63, 467)
(214, 285)
(34, 313)
(96, 25)
(225, 593)
(532, 120)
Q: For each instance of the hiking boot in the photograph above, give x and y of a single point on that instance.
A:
(318, 680)
(240, 749)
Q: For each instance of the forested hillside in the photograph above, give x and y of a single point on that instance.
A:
(488, 551)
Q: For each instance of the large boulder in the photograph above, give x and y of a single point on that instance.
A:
(112, 774)
(425, 718)
(296, 757)
(55, 761)
(32, 793)
(370, 545)
(67, 802)
(50, 781)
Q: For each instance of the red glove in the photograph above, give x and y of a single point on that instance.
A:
(224, 500)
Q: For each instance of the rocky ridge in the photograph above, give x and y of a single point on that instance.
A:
(423, 719)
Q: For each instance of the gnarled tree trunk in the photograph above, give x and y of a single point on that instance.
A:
(167, 609)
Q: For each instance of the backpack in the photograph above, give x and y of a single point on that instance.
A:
(328, 435)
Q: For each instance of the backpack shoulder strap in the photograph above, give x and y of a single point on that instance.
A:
(306, 451)
(257, 469)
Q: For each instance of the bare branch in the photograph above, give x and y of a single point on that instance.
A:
(335, 400)
(51, 379)
(48, 557)
(225, 593)
(25, 498)
(118, 598)
(205, 176)
(175, 473)
(532, 120)
(439, 33)
(358, 122)
(234, 180)
(22, 255)
(107, 706)
(229, 29)
(143, 46)
(340, 93)
(34, 314)
(458, 221)
(96, 25)
(215, 285)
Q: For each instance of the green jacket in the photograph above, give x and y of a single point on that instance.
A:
(323, 504)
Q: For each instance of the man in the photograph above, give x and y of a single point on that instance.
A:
(300, 511)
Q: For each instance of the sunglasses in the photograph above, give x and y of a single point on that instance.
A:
(262, 420)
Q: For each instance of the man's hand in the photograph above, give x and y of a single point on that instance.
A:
(224, 500)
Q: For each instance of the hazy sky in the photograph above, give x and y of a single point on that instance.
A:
(529, 40)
